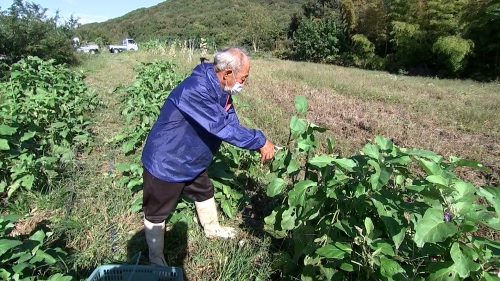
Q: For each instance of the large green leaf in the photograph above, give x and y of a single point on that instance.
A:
(128, 146)
(58, 125)
(4, 144)
(372, 150)
(334, 251)
(443, 271)
(272, 227)
(345, 163)
(369, 227)
(438, 179)
(20, 266)
(27, 181)
(464, 192)
(276, 187)
(227, 208)
(38, 236)
(321, 161)
(464, 258)
(288, 219)
(297, 196)
(389, 215)
(4, 274)
(7, 244)
(492, 194)
(460, 162)
(431, 167)
(463, 197)
(293, 167)
(401, 160)
(432, 228)
(301, 104)
(47, 258)
(423, 153)
(27, 136)
(391, 269)
(381, 176)
(384, 247)
(7, 130)
(298, 126)
(384, 143)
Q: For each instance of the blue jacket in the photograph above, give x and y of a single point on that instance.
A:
(193, 122)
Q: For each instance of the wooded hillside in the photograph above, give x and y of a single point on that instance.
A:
(220, 21)
(446, 38)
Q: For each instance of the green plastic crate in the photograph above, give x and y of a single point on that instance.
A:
(118, 272)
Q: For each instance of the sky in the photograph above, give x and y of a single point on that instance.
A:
(88, 10)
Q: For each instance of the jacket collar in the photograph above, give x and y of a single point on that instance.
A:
(207, 71)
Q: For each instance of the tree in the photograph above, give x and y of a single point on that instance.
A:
(26, 30)
(259, 25)
(482, 19)
(348, 16)
(318, 40)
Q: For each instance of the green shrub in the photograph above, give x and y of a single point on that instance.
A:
(318, 40)
(43, 117)
(452, 52)
(26, 258)
(375, 216)
(27, 30)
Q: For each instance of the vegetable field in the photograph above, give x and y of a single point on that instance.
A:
(70, 181)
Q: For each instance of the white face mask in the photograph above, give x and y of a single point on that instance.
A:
(236, 88)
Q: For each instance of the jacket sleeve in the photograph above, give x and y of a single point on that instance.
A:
(201, 107)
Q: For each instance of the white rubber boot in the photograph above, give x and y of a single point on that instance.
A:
(155, 236)
(207, 214)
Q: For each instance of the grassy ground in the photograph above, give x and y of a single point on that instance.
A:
(460, 118)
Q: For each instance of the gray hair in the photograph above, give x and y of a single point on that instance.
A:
(230, 58)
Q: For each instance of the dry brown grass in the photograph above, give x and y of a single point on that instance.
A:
(459, 118)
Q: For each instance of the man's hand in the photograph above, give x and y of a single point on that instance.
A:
(267, 151)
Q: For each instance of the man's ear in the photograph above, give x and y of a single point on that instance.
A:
(228, 72)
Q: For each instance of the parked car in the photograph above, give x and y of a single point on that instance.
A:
(90, 48)
(128, 44)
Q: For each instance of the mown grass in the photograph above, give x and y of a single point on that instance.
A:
(450, 117)
(92, 213)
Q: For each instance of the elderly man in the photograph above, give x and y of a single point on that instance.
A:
(194, 120)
